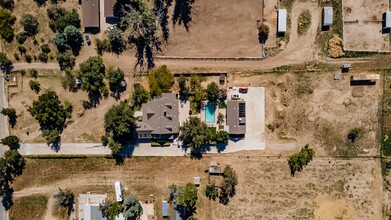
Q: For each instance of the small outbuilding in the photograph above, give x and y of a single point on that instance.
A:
(215, 168)
(222, 79)
(346, 67)
(282, 17)
(164, 209)
(387, 19)
(327, 16)
(91, 17)
(197, 180)
(337, 76)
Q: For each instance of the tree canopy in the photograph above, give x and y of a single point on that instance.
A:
(60, 18)
(110, 210)
(7, 21)
(184, 90)
(211, 191)
(120, 123)
(50, 114)
(115, 77)
(298, 160)
(194, 133)
(140, 96)
(132, 208)
(15, 163)
(228, 184)
(4, 61)
(11, 113)
(30, 24)
(185, 198)
(64, 199)
(92, 73)
(35, 86)
(160, 81)
(212, 92)
(70, 39)
(222, 137)
(11, 141)
(66, 60)
(116, 41)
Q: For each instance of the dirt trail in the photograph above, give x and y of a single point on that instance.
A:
(49, 209)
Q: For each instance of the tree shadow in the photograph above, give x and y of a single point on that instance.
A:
(262, 37)
(56, 145)
(221, 147)
(182, 13)
(94, 98)
(14, 146)
(161, 11)
(7, 198)
(12, 120)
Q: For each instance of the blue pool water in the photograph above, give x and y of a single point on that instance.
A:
(210, 113)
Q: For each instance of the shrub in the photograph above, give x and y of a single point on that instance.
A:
(17, 57)
(298, 160)
(354, 134)
(45, 48)
(22, 49)
(30, 24)
(304, 22)
(211, 191)
(35, 86)
(86, 104)
(104, 139)
(21, 37)
(33, 73)
(28, 58)
(43, 57)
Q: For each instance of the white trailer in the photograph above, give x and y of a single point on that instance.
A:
(118, 191)
(282, 18)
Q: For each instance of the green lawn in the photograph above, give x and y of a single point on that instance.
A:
(29, 207)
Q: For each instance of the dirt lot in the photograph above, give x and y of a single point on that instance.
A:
(366, 34)
(314, 109)
(85, 125)
(326, 187)
(218, 28)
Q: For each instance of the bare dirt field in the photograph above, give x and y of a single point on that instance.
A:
(312, 108)
(218, 28)
(84, 126)
(347, 189)
(363, 25)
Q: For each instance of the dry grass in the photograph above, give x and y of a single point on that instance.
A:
(304, 22)
(29, 207)
(265, 189)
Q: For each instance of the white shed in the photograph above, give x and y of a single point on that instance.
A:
(387, 23)
(281, 20)
(118, 191)
(327, 16)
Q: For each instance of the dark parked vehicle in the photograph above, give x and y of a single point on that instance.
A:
(243, 90)
(88, 40)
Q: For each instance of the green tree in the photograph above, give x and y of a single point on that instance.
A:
(116, 41)
(222, 137)
(70, 39)
(298, 160)
(21, 37)
(49, 111)
(22, 49)
(195, 83)
(33, 73)
(68, 18)
(69, 81)
(132, 208)
(102, 46)
(211, 191)
(4, 61)
(30, 24)
(7, 21)
(140, 96)
(45, 48)
(220, 118)
(188, 198)
(160, 81)
(43, 57)
(228, 184)
(110, 210)
(35, 86)
(183, 89)
(64, 199)
(8, 4)
(68, 109)
(194, 133)
(66, 60)
(119, 122)
(92, 73)
(213, 92)
(11, 114)
(115, 77)
(11, 141)
(15, 163)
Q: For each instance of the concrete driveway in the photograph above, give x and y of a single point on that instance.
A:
(255, 120)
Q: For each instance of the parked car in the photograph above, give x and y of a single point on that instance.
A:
(243, 90)
(88, 40)
(235, 96)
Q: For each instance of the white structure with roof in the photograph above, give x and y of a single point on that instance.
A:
(327, 16)
(282, 15)
(387, 23)
(118, 191)
(88, 206)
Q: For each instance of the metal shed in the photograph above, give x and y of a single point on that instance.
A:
(164, 208)
(387, 23)
(282, 14)
(327, 16)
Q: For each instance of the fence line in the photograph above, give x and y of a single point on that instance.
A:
(209, 58)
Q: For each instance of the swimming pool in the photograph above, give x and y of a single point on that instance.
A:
(210, 113)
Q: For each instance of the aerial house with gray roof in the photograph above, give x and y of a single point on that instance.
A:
(160, 118)
(236, 117)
